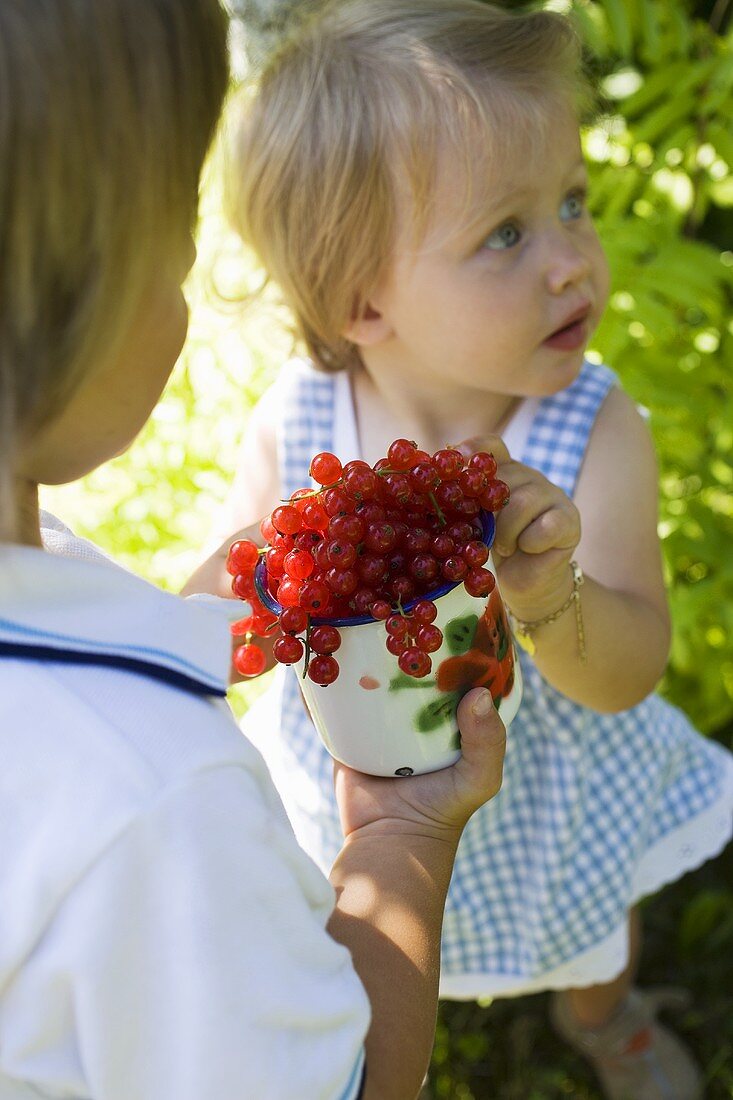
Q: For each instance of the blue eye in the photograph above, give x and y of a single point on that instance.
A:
(573, 206)
(506, 236)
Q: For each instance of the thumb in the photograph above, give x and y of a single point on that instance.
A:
(483, 744)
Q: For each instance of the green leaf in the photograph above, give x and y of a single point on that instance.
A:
(459, 634)
(437, 713)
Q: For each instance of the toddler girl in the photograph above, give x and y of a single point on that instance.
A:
(413, 181)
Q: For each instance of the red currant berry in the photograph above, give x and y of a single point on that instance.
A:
(323, 670)
(315, 596)
(242, 557)
(396, 489)
(396, 563)
(424, 568)
(473, 482)
(479, 582)
(324, 639)
(241, 626)
(243, 586)
(363, 600)
(424, 612)
(380, 609)
(283, 542)
(341, 553)
(442, 547)
(449, 463)
(429, 638)
(396, 646)
(449, 495)
(293, 620)
(288, 592)
(400, 453)
(401, 588)
(275, 561)
(337, 502)
(484, 462)
(361, 481)
(475, 554)
(287, 520)
(325, 468)
(417, 540)
(342, 581)
(320, 555)
(371, 512)
(454, 569)
(249, 660)
(350, 528)
(299, 564)
(267, 529)
(307, 540)
(315, 515)
(372, 569)
(468, 507)
(414, 662)
(397, 626)
(380, 537)
(288, 650)
(461, 532)
(495, 496)
(424, 477)
(263, 624)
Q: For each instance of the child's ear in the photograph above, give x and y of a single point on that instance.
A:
(368, 327)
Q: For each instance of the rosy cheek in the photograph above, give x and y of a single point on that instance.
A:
(368, 683)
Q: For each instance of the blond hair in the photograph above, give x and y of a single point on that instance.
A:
(107, 109)
(358, 99)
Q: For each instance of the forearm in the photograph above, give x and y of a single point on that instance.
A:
(391, 895)
(626, 641)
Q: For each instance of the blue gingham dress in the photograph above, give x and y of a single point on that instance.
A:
(596, 810)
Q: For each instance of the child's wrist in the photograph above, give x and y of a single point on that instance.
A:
(532, 606)
(525, 630)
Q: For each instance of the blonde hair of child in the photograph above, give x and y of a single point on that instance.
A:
(107, 109)
(358, 101)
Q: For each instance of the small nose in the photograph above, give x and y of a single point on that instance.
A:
(567, 264)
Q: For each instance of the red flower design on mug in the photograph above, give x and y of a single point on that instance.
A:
(489, 662)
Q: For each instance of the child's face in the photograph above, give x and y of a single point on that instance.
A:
(480, 305)
(108, 411)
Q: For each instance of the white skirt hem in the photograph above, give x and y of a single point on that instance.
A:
(682, 850)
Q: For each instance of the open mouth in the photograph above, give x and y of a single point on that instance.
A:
(572, 335)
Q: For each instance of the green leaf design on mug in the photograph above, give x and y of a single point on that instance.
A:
(459, 634)
(402, 680)
(438, 712)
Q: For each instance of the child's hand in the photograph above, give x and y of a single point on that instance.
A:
(536, 536)
(438, 804)
(212, 577)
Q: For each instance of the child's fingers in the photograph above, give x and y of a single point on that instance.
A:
(523, 576)
(493, 444)
(557, 528)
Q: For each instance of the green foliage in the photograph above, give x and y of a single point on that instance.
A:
(662, 194)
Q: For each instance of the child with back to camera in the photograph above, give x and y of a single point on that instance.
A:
(162, 936)
(413, 181)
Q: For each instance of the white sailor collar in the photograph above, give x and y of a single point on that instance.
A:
(84, 609)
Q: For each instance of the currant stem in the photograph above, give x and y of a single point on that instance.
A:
(306, 660)
(438, 509)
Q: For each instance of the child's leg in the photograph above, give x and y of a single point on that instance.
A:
(616, 1029)
(595, 1004)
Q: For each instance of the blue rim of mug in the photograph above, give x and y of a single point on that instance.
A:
(488, 523)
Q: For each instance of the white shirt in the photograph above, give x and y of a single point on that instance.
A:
(162, 936)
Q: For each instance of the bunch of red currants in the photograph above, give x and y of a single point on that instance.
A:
(368, 543)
